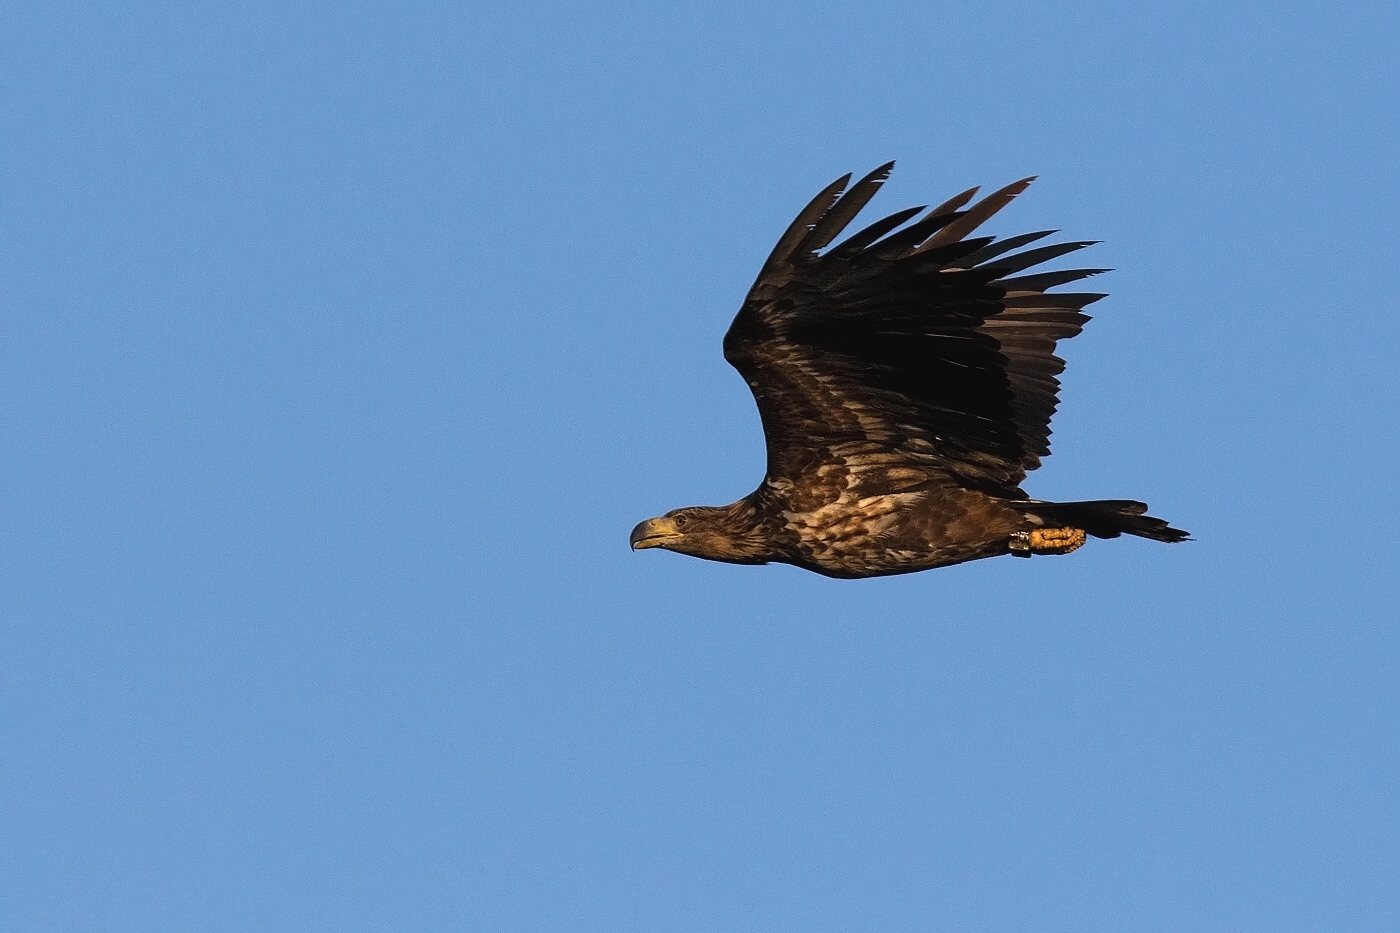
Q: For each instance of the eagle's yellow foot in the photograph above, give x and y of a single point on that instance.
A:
(1046, 541)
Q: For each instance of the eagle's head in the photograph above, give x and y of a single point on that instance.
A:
(727, 533)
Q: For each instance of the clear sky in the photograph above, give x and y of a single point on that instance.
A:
(342, 345)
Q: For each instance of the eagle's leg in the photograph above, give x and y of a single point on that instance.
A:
(1046, 541)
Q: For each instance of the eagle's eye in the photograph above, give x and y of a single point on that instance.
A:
(680, 521)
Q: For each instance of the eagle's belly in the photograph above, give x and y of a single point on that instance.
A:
(900, 532)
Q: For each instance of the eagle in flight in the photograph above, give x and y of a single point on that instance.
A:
(905, 379)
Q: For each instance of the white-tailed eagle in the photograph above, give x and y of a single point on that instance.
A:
(905, 379)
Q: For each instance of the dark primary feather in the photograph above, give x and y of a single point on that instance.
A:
(955, 202)
(829, 226)
(801, 226)
(906, 352)
(979, 256)
(978, 214)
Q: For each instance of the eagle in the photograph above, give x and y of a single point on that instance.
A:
(905, 379)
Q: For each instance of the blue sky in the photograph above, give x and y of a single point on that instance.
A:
(342, 347)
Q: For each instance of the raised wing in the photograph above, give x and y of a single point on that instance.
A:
(912, 349)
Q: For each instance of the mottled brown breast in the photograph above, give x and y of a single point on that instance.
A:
(853, 535)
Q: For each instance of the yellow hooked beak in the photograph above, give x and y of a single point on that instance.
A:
(654, 532)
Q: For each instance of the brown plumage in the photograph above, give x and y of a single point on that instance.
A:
(905, 378)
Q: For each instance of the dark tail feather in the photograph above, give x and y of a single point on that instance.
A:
(1104, 518)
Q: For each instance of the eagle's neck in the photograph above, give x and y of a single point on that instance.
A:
(743, 534)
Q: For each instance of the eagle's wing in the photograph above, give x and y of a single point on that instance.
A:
(915, 353)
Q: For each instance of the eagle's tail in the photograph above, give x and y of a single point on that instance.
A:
(1103, 518)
